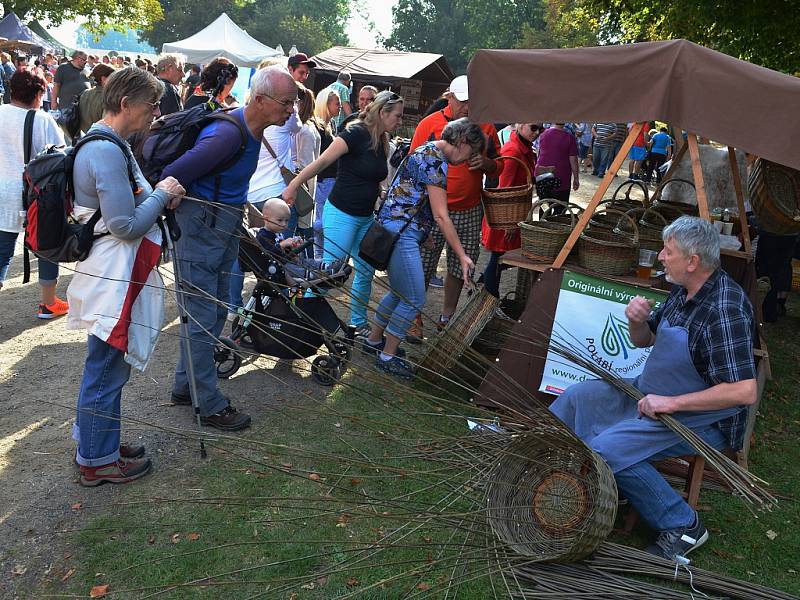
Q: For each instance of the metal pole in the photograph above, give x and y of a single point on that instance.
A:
(174, 233)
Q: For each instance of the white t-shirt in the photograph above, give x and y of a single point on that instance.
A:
(12, 156)
(267, 181)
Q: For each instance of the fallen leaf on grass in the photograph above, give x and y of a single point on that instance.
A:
(322, 581)
(423, 587)
(351, 582)
(68, 574)
(771, 534)
(355, 482)
(308, 586)
(314, 477)
(193, 537)
(98, 591)
(175, 538)
(286, 465)
(19, 570)
(792, 571)
(151, 540)
(76, 506)
(721, 553)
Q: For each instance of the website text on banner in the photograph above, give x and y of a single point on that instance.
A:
(591, 314)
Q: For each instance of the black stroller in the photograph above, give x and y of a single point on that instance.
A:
(278, 321)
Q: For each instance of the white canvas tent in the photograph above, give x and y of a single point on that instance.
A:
(222, 38)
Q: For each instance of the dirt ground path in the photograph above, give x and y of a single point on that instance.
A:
(41, 364)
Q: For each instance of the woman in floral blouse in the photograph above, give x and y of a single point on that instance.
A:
(417, 197)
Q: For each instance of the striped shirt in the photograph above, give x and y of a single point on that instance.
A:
(719, 319)
(605, 133)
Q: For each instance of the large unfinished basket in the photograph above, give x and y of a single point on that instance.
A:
(550, 497)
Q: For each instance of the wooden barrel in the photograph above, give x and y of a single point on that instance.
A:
(775, 197)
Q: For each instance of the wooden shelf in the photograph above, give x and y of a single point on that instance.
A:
(515, 258)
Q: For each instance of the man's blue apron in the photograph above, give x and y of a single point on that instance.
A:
(608, 420)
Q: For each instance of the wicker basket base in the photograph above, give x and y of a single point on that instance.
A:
(550, 497)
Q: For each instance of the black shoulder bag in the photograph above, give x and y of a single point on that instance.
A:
(378, 243)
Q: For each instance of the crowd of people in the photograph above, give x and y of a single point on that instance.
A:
(284, 141)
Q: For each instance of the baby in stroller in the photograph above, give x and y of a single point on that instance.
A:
(289, 252)
(281, 319)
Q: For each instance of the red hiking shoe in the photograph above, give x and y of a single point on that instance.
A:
(120, 471)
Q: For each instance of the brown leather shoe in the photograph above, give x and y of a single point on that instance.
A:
(414, 334)
(120, 471)
(125, 453)
(228, 419)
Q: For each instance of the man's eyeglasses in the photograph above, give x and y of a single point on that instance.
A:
(285, 103)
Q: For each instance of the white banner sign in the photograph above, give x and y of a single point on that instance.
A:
(591, 315)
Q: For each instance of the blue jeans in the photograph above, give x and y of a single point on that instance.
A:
(48, 271)
(97, 425)
(324, 187)
(661, 507)
(405, 300)
(208, 246)
(491, 274)
(343, 235)
(601, 159)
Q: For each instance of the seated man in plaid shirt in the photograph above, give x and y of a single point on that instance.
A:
(700, 370)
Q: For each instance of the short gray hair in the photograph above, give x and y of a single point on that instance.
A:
(463, 130)
(344, 76)
(694, 235)
(263, 81)
(135, 83)
(165, 61)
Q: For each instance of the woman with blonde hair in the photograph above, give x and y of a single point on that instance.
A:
(326, 107)
(362, 152)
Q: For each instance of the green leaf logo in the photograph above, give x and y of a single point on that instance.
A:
(616, 338)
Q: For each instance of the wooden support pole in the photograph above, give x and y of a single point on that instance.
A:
(699, 182)
(598, 195)
(737, 185)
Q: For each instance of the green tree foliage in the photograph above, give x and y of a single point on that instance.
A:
(456, 28)
(100, 15)
(311, 25)
(567, 24)
(765, 32)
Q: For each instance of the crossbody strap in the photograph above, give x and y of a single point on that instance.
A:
(28, 135)
(268, 146)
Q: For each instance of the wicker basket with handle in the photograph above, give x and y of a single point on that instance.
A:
(505, 207)
(543, 239)
(609, 251)
(651, 223)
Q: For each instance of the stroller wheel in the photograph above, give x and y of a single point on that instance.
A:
(226, 358)
(326, 370)
(343, 350)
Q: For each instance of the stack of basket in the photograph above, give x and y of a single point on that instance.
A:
(505, 207)
(651, 223)
(611, 251)
(543, 239)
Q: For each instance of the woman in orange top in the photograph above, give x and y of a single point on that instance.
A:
(500, 241)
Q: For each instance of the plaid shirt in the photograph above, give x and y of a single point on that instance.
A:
(719, 319)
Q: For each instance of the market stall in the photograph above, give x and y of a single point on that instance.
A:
(419, 77)
(687, 86)
(19, 36)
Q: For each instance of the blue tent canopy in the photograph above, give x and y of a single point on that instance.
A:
(16, 31)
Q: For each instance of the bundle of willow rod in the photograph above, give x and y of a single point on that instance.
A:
(616, 558)
(747, 485)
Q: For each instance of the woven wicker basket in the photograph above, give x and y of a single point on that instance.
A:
(445, 349)
(672, 210)
(627, 187)
(543, 239)
(775, 195)
(651, 223)
(609, 251)
(505, 207)
(550, 497)
(498, 330)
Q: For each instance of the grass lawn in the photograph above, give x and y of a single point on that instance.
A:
(263, 520)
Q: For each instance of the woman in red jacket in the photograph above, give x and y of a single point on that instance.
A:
(500, 241)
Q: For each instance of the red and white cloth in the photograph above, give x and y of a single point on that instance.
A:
(118, 294)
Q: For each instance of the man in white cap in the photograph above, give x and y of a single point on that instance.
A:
(464, 184)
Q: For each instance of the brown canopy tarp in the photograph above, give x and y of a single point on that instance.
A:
(384, 65)
(699, 90)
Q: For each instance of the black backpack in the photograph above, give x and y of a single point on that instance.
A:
(51, 231)
(170, 136)
(70, 117)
